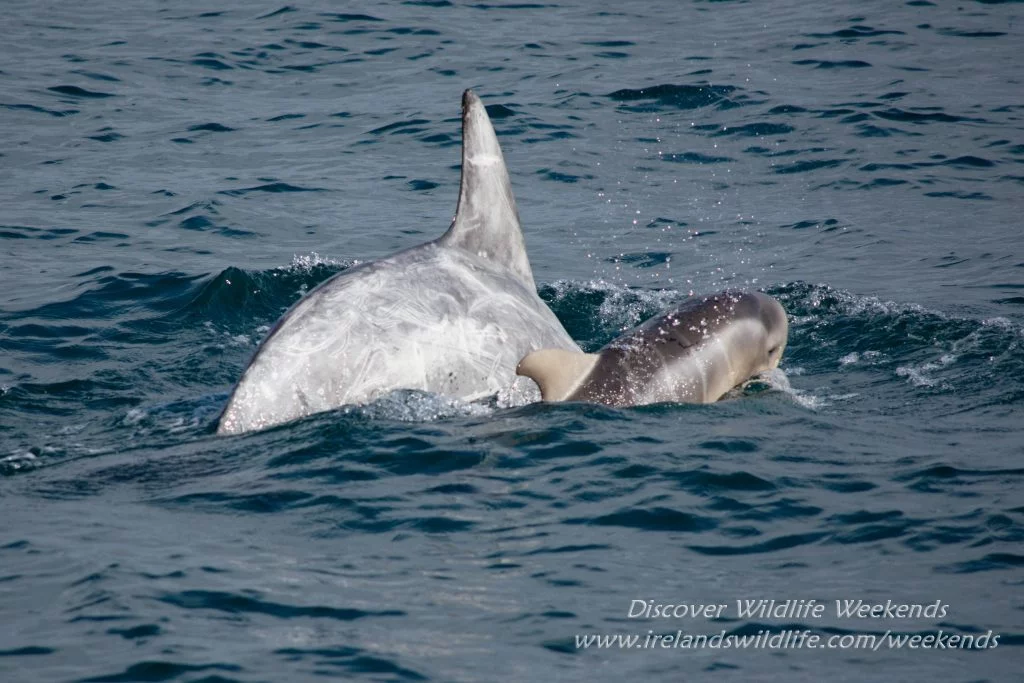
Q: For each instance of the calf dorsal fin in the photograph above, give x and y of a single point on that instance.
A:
(557, 372)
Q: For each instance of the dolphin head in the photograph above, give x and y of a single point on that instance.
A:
(776, 327)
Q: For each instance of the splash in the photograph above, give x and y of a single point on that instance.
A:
(307, 263)
(411, 405)
(777, 379)
(18, 462)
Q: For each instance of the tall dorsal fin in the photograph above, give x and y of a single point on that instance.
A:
(486, 220)
(557, 372)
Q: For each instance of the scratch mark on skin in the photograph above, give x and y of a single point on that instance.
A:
(452, 316)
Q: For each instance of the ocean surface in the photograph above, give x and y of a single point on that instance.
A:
(174, 175)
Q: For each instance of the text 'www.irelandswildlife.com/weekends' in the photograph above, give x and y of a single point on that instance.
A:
(789, 639)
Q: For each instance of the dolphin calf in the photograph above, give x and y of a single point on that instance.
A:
(693, 353)
(452, 316)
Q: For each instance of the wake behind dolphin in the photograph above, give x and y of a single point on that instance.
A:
(452, 316)
(694, 353)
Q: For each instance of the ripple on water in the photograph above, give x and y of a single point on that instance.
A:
(672, 96)
(651, 519)
(77, 92)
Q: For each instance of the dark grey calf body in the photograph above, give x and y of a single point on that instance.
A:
(693, 353)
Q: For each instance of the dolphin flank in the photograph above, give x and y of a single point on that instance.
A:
(693, 353)
(452, 316)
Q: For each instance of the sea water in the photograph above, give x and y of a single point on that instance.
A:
(175, 175)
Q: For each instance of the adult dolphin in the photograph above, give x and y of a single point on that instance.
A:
(452, 316)
(693, 353)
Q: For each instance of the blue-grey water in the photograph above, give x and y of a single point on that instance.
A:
(173, 175)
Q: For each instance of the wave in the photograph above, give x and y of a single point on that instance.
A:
(151, 356)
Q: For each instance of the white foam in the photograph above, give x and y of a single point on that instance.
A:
(134, 416)
(407, 405)
(778, 379)
(918, 376)
(18, 461)
(915, 375)
(304, 263)
(866, 358)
